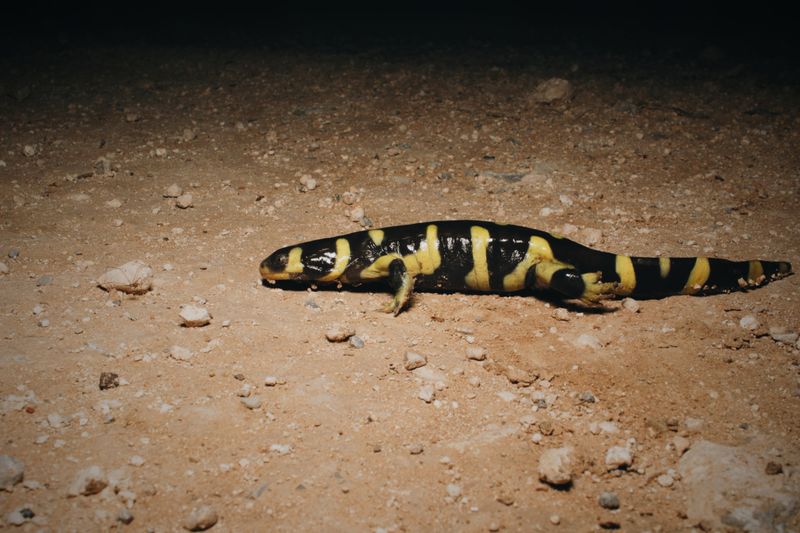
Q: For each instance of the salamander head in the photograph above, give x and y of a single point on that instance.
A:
(310, 261)
(283, 264)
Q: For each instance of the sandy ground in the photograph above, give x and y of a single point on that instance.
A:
(696, 155)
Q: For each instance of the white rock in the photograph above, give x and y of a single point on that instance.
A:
(133, 277)
(631, 305)
(184, 201)
(88, 481)
(453, 490)
(29, 150)
(619, 457)
(252, 402)
(339, 333)
(591, 236)
(193, 316)
(665, 480)
(3, 268)
(201, 518)
(114, 204)
(427, 393)
(555, 466)
(136, 460)
(308, 183)
(749, 322)
(552, 90)
(727, 489)
(281, 449)
(694, 424)
(782, 335)
(561, 314)
(173, 191)
(12, 470)
(476, 353)
(414, 360)
(15, 517)
(179, 353)
(586, 340)
(56, 421)
(270, 381)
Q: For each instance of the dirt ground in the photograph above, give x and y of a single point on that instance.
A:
(269, 425)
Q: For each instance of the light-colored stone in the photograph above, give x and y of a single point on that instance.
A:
(630, 305)
(3, 268)
(783, 335)
(134, 277)
(427, 393)
(728, 489)
(201, 518)
(87, 482)
(184, 201)
(179, 353)
(339, 333)
(12, 470)
(476, 353)
(555, 466)
(414, 360)
(173, 191)
(619, 457)
(252, 402)
(585, 340)
(749, 322)
(193, 316)
(552, 91)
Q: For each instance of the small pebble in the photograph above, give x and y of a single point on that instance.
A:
(189, 134)
(608, 500)
(43, 323)
(561, 314)
(773, 468)
(270, 381)
(193, 316)
(179, 353)
(783, 335)
(184, 201)
(555, 466)
(136, 460)
(629, 304)
(453, 490)
(339, 333)
(44, 280)
(108, 380)
(552, 91)
(356, 342)
(13, 253)
(201, 518)
(619, 457)
(3, 268)
(475, 381)
(426, 394)
(555, 519)
(173, 191)
(749, 322)
(29, 150)
(114, 204)
(124, 516)
(252, 402)
(476, 353)
(587, 397)
(681, 444)
(416, 449)
(586, 340)
(133, 277)
(18, 517)
(88, 481)
(665, 480)
(307, 183)
(414, 360)
(12, 470)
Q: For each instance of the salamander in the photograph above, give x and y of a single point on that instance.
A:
(477, 256)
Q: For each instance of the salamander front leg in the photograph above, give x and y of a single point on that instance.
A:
(595, 290)
(402, 283)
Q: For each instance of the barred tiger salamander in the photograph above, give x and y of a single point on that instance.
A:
(470, 255)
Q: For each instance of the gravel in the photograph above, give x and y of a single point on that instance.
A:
(252, 402)
(608, 500)
(134, 277)
(555, 466)
(108, 380)
(12, 470)
(88, 481)
(201, 518)
(426, 393)
(414, 360)
(339, 333)
(749, 322)
(193, 316)
(476, 353)
(619, 457)
(184, 201)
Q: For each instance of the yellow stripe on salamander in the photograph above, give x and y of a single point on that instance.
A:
(538, 250)
(478, 277)
(342, 260)
(627, 276)
(698, 276)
